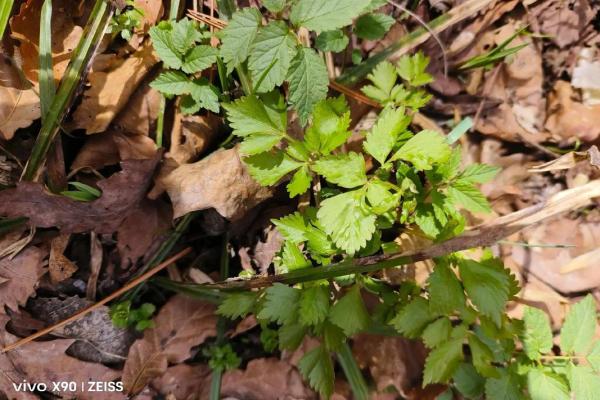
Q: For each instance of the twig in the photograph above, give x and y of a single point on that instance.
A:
(102, 302)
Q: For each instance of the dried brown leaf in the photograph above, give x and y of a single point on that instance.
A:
(219, 181)
(191, 136)
(19, 277)
(121, 193)
(59, 266)
(183, 381)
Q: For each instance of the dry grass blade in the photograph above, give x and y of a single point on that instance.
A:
(207, 19)
(129, 286)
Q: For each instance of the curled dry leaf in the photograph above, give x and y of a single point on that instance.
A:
(19, 275)
(392, 361)
(569, 119)
(46, 362)
(59, 266)
(265, 379)
(180, 325)
(192, 134)
(139, 117)
(25, 28)
(111, 89)
(19, 104)
(183, 381)
(121, 193)
(220, 181)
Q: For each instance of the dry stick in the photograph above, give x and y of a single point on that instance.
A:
(102, 302)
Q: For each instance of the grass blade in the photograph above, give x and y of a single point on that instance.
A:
(353, 374)
(46, 78)
(92, 34)
(5, 10)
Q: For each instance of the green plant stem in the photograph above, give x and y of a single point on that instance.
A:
(215, 384)
(5, 10)
(46, 78)
(174, 9)
(99, 18)
(160, 121)
(352, 371)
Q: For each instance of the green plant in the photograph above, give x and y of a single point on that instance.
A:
(356, 204)
(126, 20)
(82, 192)
(123, 316)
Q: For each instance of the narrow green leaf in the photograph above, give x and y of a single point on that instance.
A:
(46, 76)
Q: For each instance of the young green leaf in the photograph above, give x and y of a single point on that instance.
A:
(412, 69)
(205, 94)
(251, 115)
(443, 361)
(506, 387)
(329, 129)
(270, 167)
(308, 80)
(273, 43)
(237, 305)
(373, 26)
(413, 318)
(537, 338)
(437, 332)
(467, 195)
(585, 384)
(314, 305)
(482, 357)
(384, 78)
(199, 58)
(347, 221)
(424, 150)
(290, 336)
(478, 173)
(488, 286)
(185, 34)
(238, 36)
(291, 259)
(345, 170)
(543, 385)
(594, 357)
(300, 182)
(172, 83)
(162, 36)
(275, 5)
(334, 41)
(280, 305)
(468, 382)
(578, 329)
(445, 291)
(382, 138)
(316, 366)
(380, 198)
(292, 227)
(326, 15)
(350, 313)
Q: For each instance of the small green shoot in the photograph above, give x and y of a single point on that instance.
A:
(83, 192)
(123, 316)
(497, 54)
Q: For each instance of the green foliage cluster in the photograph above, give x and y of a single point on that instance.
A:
(127, 20)
(123, 316)
(359, 201)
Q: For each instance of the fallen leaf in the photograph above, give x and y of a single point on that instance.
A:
(110, 90)
(220, 181)
(183, 381)
(46, 362)
(191, 136)
(392, 361)
(19, 277)
(59, 266)
(265, 379)
(139, 116)
(563, 21)
(181, 324)
(121, 193)
(569, 119)
(97, 338)
(19, 104)
(65, 34)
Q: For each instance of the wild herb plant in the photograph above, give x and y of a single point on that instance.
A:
(354, 204)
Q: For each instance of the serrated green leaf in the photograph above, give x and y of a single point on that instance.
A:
(275, 5)
(488, 286)
(384, 78)
(442, 362)
(380, 198)
(199, 58)
(585, 384)
(162, 36)
(446, 294)
(543, 385)
(579, 327)
(334, 41)
(273, 42)
(467, 195)
(314, 305)
(292, 259)
(413, 69)
(329, 128)
(373, 26)
(292, 227)
(185, 34)
(290, 336)
(507, 387)
(478, 173)
(300, 182)
(482, 357)
(413, 318)
(205, 94)
(333, 336)
(437, 332)
(537, 338)
(269, 168)
(382, 138)
(468, 382)
(594, 357)
(350, 313)
(317, 368)
(424, 150)
(426, 221)
(238, 36)
(237, 305)
(345, 170)
(347, 221)
(319, 15)
(253, 115)
(258, 143)
(280, 305)
(308, 82)
(172, 83)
